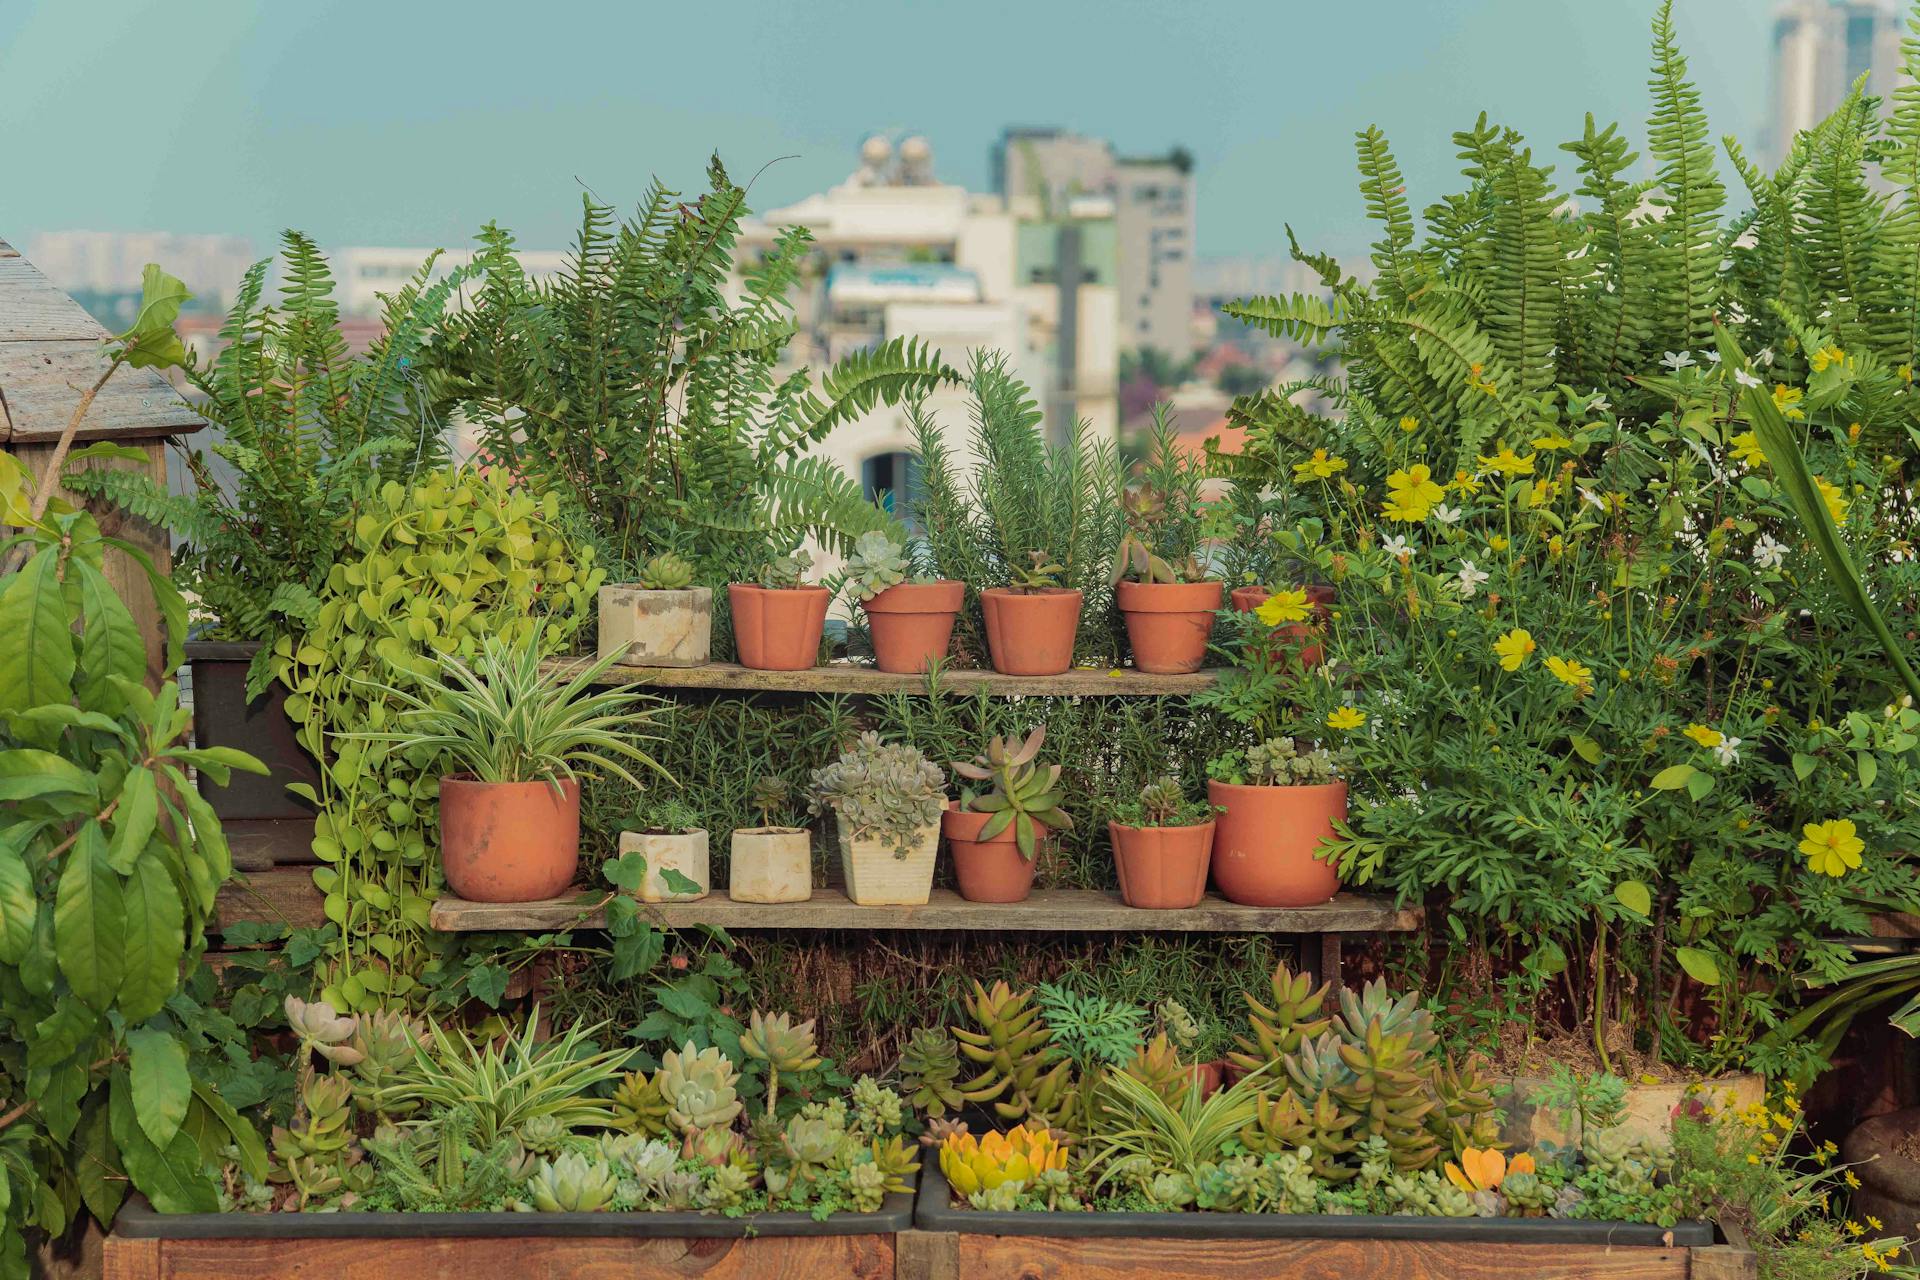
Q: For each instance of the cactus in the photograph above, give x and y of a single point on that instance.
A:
(667, 571)
(784, 1045)
(571, 1183)
(437, 1170)
(929, 1066)
(877, 562)
(639, 1106)
(784, 573)
(1018, 1073)
(881, 790)
(1279, 1029)
(1024, 796)
(698, 1086)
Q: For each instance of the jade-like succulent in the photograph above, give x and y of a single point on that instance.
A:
(726, 1189)
(876, 1108)
(868, 1183)
(385, 1040)
(1157, 1065)
(1278, 762)
(572, 1183)
(667, 571)
(323, 1030)
(1040, 573)
(877, 562)
(1020, 1074)
(639, 1106)
(769, 797)
(699, 1088)
(1391, 1094)
(784, 573)
(543, 1135)
(1024, 795)
(929, 1070)
(784, 1045)
(1279, 1028)
(885, 791)
(718, 1149)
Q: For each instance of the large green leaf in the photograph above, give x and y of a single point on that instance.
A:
(169, 1177)
(133, 819)
(109, 640)
(151, 342)
(96, 1166)
(17, 902)
(246, 1138)
(90, 921)
(157, 1074)
(36, 658)
(156, 923)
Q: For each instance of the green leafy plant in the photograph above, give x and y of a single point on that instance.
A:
(668, 571)
(884, 791)
(1162, 803)
(1091, 1030)
(1040, 573)
(1024, 796)
(1163, 511)
(669, 816)
(786, 572)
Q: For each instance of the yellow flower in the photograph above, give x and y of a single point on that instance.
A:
(1406, 507)
(1746, 450)
(1409, 425)
(1556, 546)
(1514, 647)
(1569, 672)
(1346, 718)
(1552, 440)
(1538, 496)
(1787, 400)
(1826, 356)
(1832, 848)
(1498, 542)
(1853, 1179)
(1507, 463)
(1836, 504)
(1465, 482)
(1417, 482)
(1282, 607)
(1704, 736)
(1321, 466)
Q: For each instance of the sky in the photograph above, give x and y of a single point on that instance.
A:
(404, 122)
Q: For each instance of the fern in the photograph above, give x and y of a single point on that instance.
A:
(1689, 192)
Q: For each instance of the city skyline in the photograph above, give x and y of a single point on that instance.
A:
(270, 117)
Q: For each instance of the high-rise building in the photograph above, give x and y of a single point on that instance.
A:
(1153, 217)
(1820, 47)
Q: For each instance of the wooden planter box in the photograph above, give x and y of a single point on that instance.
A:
(146, 1245)
(966, 1244)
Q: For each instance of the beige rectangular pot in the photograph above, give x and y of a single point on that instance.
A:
(682, 851)
(657, 628)
(876, 876)
(771, 864)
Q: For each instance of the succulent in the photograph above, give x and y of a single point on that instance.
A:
(698, 1086)
(929, 1068)
(1279, 1029)
(897, 1161)
(1397, 1015)
(868, 1185)
(1566, 1203)
(639, 1161)
(571, 1183)
(1018, 1155)
(1484, 1169)
(812, 1140)
(784, 573)
(726, 1189)
(718, 1149)
(1156, 1064)
(1024, 796)
(939, 1130)
(1526, 1194)
(384, 1040)
(1320, 1130)
(1040, 573)
(1179, 1023)
(639, 1106)
(876, 1109)
(543, 1135)
(1004, 1198)
(1390, 1092)
(784, 1045)
(1466, 1116)
(680, 1189)
(1277, 762)
(881, 790)
(1162, 803)
(667, 571)
(1018, 1070)
(877, 562)
(323, 1030)
(322, 1123)
(769, 796)
(435, 1168)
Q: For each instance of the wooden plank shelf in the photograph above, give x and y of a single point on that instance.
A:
(1046, 911)
(846, 677)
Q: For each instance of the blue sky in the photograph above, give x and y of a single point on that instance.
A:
(404, 122)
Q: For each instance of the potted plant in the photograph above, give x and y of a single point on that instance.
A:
(778, 620)
(1032, 621)
(909, 617)
(1159, 584)
(1276, 804)
(995, 834)
(1162, 845)
(887, 799)
(674, 845)
(512, 741)
(770, 862)
(663, 621)
(1295, 620)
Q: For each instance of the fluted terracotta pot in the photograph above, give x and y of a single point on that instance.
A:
(1290, 636)
(911, 624)
(985, 870)
(1168, 623)
(778, 629)
(1030, 633)
(508, 841)
(1264, 842)
(1162, 868)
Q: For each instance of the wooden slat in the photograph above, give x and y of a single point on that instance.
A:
(32, 307)
(284, 895)
(1047, 911)
(985, 1257)
(122, 1259)
(926, 1255)
(1081, 682)
(44, 379)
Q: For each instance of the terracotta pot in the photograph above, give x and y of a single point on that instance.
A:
(778, 630)
(1168, 623)
(1264, 842)
(911, 624)
(987, 870)
(1294, 635)
(1162, 868)
(508, 841)
(1031, 633)
(1207, 1077)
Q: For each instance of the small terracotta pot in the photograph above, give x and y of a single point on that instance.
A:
(1031, 633)
(1291, 637)
(508, 841)
(1168, 623)
(1162, 868)
(1207, 1077)
(911, 624)
(1264, 842)
(987, 870)
(780, 629)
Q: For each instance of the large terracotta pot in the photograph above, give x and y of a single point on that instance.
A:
(1030, 633)
(1264, 842)
(508, 841)
(911, 624)
(1168, 623)
(1162, 868)
(778, 629)
(1293, 635)
(986, 870)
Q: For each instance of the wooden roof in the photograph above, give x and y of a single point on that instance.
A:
(50, 353)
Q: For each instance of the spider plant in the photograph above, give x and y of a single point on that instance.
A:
(502, 718)
(1137, 1125)
(505, 1083)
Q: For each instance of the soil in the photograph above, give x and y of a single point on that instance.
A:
(1519, 1056)
(1909, 1146)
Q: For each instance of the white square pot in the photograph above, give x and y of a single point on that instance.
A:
(657, 628)
(877, 876)
(682, 851)
(771, 864)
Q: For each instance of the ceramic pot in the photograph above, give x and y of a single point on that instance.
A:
(911, 624)
(1168, 623)
(1292, 636)
(770, 864)
(657, 628)
(508, 841)
(682, 851)
(1162, 868)
(1030, 633)
(1207, 1077)
(1889, 1181)
(1264, 842)
(778, 629)
(985, 870)
(878, 876)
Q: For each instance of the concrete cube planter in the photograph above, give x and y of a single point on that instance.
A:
(877, 876)
(657, 628)
(770, 864)
(681, 851)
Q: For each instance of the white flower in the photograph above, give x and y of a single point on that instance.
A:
(1588, 495)
(1745, 379)
(1764, 358)
(1769, 553)
(1677, 360)
(1736, 313)
(1728, 752)
(1446, 514)
(1713, 356)
(1470, 579)
(1599, 404)
(1396, 546)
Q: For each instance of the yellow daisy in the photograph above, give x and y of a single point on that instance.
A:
(1567, 671)
(1346, 718)
(1283, 607)
(1832, 848)
(1514, 647)
(1704, 736)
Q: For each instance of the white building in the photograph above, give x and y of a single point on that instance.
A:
(1820, 47)
(361, 273)
(110, 262)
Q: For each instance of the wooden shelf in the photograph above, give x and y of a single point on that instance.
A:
(845, 677)
(1047, 911)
